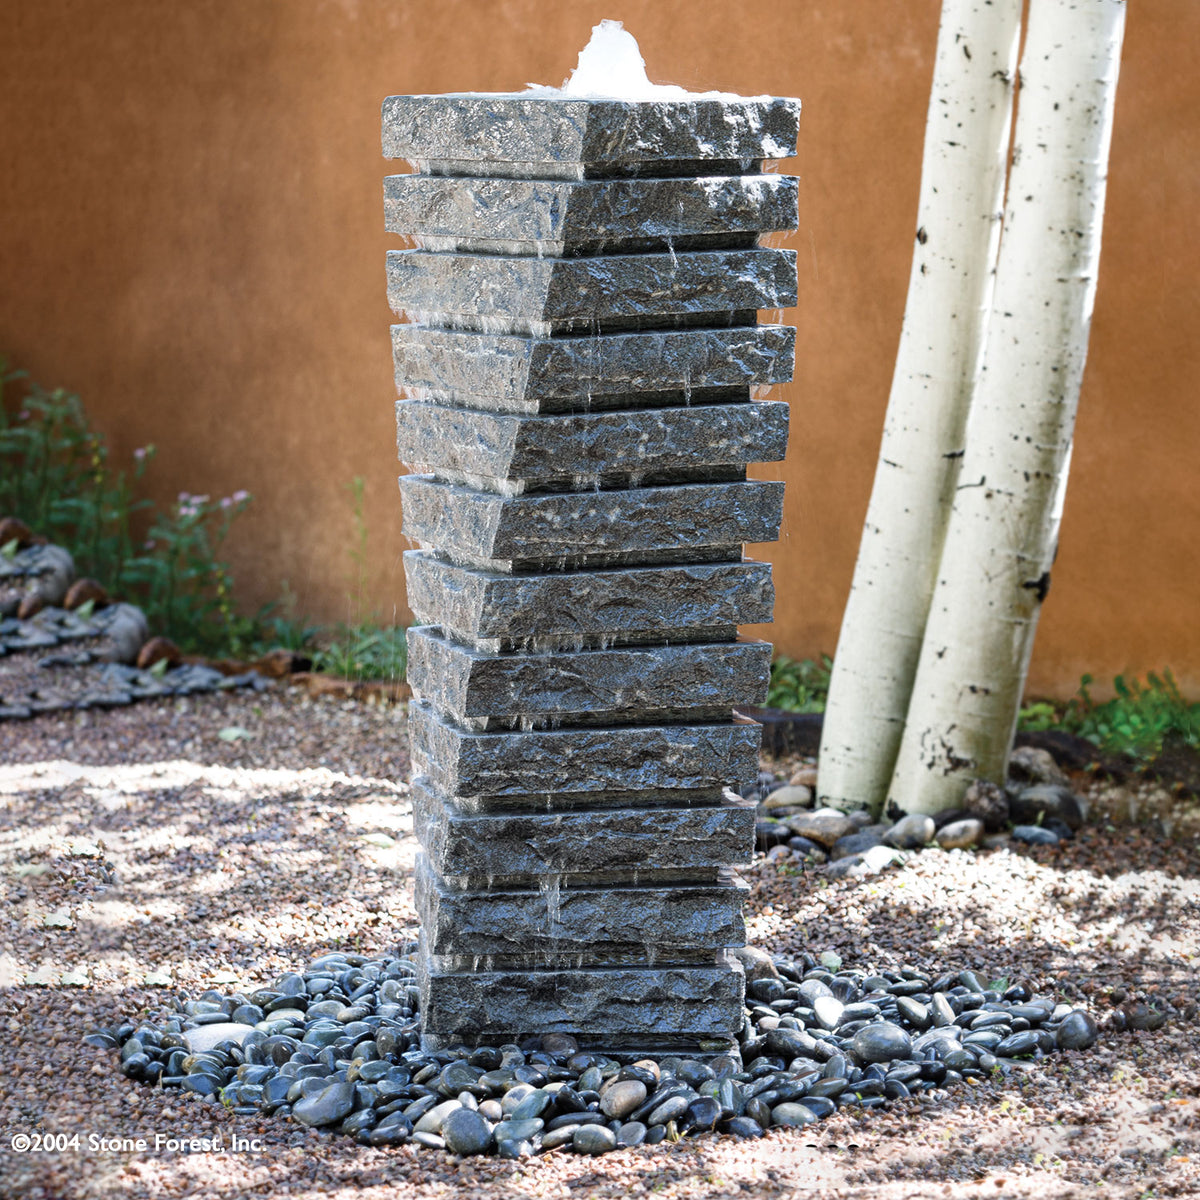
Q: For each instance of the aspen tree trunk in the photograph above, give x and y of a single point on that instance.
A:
(1003, 529)
(949, 292)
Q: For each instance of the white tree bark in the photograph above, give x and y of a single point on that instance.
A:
(949, 293)
(1003, 529)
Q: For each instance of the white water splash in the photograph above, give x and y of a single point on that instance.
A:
(611, 64)
(549, 886)
(611, 67)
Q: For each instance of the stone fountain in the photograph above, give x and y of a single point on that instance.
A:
(581, 376)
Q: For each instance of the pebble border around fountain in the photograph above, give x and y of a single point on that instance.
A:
(338, 1048)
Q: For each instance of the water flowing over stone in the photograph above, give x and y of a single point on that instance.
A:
(575, 378)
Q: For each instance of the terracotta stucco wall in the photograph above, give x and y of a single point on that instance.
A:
(190, 236)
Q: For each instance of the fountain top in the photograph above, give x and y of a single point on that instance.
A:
(536, 129)
(611, 66)
(607, 115)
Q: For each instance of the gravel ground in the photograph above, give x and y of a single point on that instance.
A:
(225, 839)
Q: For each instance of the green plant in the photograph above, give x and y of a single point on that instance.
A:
(286, 633)
(799, 685)
(366, 651)
(182, 584)
(362, 648)
(280, 627)
(1136, 721)
(56, 474)
(1038, 716)
(1139, 718)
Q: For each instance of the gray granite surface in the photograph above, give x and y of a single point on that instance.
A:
(571, 449)
(613, 1003)
(512, 373)
(529, 128)
(576, 372)
(638, 925)
(621, 603)
(545, 526)
(567, 213)
(700, 837)
(552, 294)
(611, 683)
(546, 762)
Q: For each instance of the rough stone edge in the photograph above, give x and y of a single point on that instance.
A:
(535, 129)
(469, 844)
(493, 605)
(475, 764)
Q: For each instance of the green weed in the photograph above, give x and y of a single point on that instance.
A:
(364, 647)
(1136, 721)
(799, 685)
(57, 475)
(366, 651)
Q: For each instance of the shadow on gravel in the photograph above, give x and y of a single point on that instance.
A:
(118, 877)
(230, 863)
(252, 867)
(1115, 910)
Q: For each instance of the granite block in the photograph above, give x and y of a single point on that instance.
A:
(630, 924)
(550, 295)
(596, 258)
(507, 765)
(484, 846)
(547, 525)
(475, 605)
(611, 683)
(607, 1003)
(550, 128)
(563, 448)
(556, 216)
(508, 372)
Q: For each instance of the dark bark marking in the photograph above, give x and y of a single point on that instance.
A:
(1040, 586)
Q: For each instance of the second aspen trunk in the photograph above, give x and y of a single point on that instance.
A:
(1003, 530)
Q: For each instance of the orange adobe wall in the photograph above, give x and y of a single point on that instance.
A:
(191, 237)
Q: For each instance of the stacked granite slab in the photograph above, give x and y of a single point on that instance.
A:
(581, 372)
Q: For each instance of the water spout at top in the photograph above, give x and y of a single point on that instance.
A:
(611, 65)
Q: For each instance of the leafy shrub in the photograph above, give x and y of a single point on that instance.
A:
(363, 648)
(366, 651)
(56, 474)
(1136, 721)
(799, 685)
(1038, 716)
(182, 584)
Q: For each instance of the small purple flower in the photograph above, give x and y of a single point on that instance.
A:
(140, 453)
(240, 496)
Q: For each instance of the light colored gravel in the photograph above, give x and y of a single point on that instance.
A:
(139, 841)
